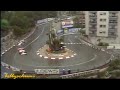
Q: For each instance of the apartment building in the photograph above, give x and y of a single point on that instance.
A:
(101, 23)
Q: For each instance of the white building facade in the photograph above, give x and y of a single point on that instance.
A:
(102, 23)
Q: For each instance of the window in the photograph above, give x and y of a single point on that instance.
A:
(102, 26)
(102, 13)
(102, 32)
(102, 19)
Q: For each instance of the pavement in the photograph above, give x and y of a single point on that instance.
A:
(86, 57)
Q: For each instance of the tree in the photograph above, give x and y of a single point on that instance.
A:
(4, 24)
(22, 21)
(77, 23)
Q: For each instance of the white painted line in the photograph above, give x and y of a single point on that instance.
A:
(45, 57)
(6, 50)
(61, 58)
(52, 58)
(40, 55)
(13, 45)
(75, 54)
(35, 39)
(72, 56)
(3, 52)
(67, 57)
(102, 49)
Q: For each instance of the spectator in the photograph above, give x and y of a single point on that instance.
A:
(64, 72)
(69, 71)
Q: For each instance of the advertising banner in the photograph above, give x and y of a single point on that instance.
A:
(47, 71)
(67, 24)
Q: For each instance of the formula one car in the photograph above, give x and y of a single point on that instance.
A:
(22, 51)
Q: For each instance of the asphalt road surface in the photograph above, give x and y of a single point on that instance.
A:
(86, 57)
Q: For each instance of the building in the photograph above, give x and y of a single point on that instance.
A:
(62, 13)
(102, 23)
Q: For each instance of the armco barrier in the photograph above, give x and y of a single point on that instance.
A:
(82, 73)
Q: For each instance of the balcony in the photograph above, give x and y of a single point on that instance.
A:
(93, 16)
(112, 16)
(112, 30)
(112, 23)
(93, 12)
(113, 11)
(112, 35)
(92, 29)
(93, 22)
(93, 34)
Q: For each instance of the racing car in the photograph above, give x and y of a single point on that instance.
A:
(21, 42)
(22, 51)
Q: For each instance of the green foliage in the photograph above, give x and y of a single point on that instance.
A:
(103, 44)
(76, 23)
(4, 24)
(21, 21)
(114, 65)
(101, 74)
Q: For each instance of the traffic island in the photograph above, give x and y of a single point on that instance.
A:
(67, 53)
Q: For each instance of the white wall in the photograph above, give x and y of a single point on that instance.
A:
(87, 22)
(102, 23)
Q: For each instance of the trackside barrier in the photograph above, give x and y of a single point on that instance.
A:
(9, 67)
(82, 73)
(79, 74)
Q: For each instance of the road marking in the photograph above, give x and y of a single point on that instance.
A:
(6, 50)
(72, 56)
(45, 57)
(3, 52)
(67, 65)
(35, 38)
(68, 57)
(61, 58)
(102, 49)
(40, 55)
(52, 58)
(75, 54)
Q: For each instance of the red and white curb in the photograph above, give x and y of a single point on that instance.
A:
(56, 58)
